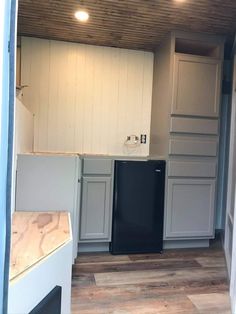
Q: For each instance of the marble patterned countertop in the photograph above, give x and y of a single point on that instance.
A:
(35, 235)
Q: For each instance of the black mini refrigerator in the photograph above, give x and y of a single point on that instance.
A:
(138, 207)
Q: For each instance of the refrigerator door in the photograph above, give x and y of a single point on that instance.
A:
(138, 207)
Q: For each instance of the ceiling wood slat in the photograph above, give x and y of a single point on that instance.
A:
(134, 24)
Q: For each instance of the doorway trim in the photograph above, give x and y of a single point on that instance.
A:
(230, 221)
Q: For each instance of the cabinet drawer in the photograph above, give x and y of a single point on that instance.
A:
(190, 208)
(97, 166)
(195, 126)
(204, 169)
(195, 147)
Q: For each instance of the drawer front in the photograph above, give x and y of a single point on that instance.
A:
(194, 147)
(97, 166)
(194, 126)
(204, 169)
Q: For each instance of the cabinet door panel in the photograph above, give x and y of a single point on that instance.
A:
(190, 208)
(196, 86)
(95, 210)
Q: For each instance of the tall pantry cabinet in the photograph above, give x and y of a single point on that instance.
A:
(184, 130)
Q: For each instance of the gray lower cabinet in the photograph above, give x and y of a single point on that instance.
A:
(190, 204)
(96, 201)
(96, 208)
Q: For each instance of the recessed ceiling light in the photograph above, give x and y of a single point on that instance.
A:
(82, 16)
(180, 0)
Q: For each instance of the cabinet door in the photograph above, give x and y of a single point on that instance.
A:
(96, 208)
(190, 208)
(197, 82)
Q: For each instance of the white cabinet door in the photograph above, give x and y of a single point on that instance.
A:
(196, 89)
(190, 208)
(96, 209)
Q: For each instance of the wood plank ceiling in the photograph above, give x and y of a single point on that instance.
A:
(134, 24)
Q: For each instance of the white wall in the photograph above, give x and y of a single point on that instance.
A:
(24, 129)
(29, 288)
(23, 139)
(86, 98)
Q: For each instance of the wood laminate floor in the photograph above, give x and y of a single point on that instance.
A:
(190, 281)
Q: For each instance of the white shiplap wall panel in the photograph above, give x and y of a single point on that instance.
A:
(23, 139)
(86, 98)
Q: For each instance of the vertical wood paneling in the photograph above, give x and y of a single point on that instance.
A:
(80, 100)
(122, 92)
(86, 98)
(97, 110)
(24, 128)
(23, 139)
(43, 96)
(147, 95)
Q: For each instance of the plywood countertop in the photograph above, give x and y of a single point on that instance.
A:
(34, 236)
(93, 155)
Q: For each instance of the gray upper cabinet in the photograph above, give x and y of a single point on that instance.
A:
(190, 208)
(196, 86)
(95, 210)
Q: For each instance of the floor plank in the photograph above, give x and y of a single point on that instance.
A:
(179, 253)
(180, 305)
(100, 258)
(136, 266)
(210, 262)
(175, 282)
(161, 276)
(214, 302)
